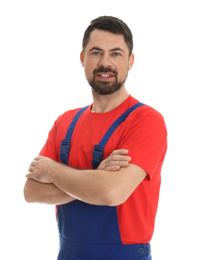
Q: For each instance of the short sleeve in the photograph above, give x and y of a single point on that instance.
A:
(146, 139)
(49, 149)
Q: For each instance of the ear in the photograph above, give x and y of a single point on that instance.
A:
(131, 61)
(82, 58)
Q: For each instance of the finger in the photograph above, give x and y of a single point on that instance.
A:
(37, 158)
(112, 168)
(116, 160)
(117, 163)
(29, 175)
(120, 152)
(119, 158)
(33, 163)
(30, 168)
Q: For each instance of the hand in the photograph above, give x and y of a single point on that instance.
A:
(41, 168)
(116, 160)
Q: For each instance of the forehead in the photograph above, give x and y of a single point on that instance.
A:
(106, 40)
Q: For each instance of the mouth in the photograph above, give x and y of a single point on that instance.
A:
(105, 76)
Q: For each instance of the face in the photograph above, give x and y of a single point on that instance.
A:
(106, 62)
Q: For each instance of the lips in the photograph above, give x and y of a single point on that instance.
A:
(104, 73)
(105, 76)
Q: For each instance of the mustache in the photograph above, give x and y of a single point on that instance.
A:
(105, 70)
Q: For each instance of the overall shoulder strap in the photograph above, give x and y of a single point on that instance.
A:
(99, 149)
(65, 144)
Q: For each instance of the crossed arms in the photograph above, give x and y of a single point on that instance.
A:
(111, 184)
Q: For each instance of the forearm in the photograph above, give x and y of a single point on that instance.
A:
(46, 193)
(98, 187)
(82, 185)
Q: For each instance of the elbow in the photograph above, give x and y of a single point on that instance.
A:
(115, 198)
(27, 195)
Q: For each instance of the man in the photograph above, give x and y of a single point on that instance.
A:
(106, 211)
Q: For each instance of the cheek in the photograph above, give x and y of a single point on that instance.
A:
(88, 72)
(89, 68)
(123, 72)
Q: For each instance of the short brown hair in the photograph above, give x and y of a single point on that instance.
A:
(110, 24)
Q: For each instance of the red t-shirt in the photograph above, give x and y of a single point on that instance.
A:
(144, 134)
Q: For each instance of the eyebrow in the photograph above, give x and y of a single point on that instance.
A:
(98, 49)
(117, 49)
(95, 49)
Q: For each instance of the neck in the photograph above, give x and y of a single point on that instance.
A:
(106, 103)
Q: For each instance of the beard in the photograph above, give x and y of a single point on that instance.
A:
(105, 88)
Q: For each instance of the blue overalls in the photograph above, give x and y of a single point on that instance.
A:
(90, 232)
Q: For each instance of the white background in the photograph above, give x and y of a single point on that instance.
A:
(41, 77)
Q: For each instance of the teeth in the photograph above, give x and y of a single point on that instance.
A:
(105, 76)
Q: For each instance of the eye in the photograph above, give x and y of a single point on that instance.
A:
(96, 53)
(116, 54)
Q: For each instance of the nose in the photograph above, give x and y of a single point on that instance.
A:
(105, 61)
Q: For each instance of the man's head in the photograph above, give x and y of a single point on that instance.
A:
(109, 24)
(107, 54)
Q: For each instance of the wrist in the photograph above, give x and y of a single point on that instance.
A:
(53, 171)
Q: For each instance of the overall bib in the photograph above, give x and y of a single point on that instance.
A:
(90, 232)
